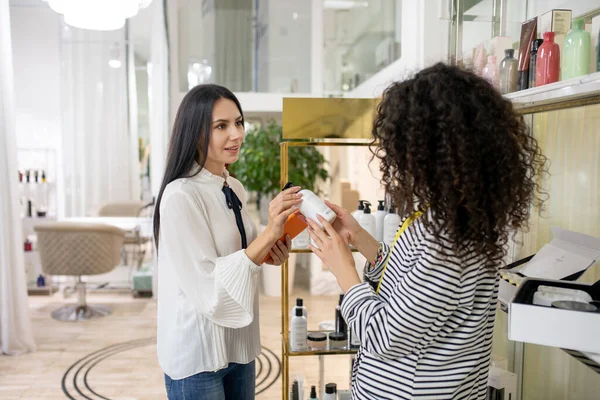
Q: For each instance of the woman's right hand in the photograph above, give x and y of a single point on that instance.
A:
(345, 224)
(280, 208)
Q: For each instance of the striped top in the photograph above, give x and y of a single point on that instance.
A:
(428, 334)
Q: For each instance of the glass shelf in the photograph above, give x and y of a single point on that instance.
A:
(309, 251)
(327, 352)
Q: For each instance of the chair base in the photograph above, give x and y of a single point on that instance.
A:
(76, 312)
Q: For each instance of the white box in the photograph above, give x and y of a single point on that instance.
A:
(548, 326)
(557, 21)
(504, 382)
(567, 256)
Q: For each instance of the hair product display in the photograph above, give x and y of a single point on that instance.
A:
(576, 52)
(548, 61)
(528, 30)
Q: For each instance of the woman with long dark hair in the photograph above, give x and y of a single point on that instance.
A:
(209, 254)
(462, 167)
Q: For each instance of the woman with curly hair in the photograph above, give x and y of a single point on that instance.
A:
(463, 168)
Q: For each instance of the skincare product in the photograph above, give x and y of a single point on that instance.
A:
(360, 210)
(548, 61)
(535, 45)
(391, 223)
(317, 341)
(299, 332)
(300, 305)
(379, 216)
(312, 206)
(367, 220)
(313, 393)
(338, 341)
(508, 72)
(330, 392)
(576, 52)
(340, 323)
(490, 71)
(294, 393)
(528, 32)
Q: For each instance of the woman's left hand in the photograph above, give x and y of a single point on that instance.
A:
(335, 252)
(280, 251)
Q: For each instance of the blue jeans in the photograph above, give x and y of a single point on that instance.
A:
(235, 382)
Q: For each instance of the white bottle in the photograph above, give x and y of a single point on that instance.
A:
(330, 392)
(300, 305)
(391, 222)
(360, 211)
(299, 332)
(379, 217)
(367, 220)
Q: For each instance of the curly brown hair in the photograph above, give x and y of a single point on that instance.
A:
(446, 138)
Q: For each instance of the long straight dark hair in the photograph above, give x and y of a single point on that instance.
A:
(190, 137)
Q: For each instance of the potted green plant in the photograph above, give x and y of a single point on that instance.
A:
(258, 167)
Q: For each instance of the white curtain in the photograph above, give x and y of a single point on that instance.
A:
(16, 335)
(97, 154)
(158, 96)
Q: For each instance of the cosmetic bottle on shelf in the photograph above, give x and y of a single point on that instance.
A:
(576, 53)
(535, 45)
(548, 61)
(508, 72)
(490, 71)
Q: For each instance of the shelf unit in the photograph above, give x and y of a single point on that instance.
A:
(285, 313)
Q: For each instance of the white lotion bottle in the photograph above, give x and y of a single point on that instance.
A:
(379, 217)
(312, 206)
(360, 211)
(299, 332)
(299, 305)
(391, 223)
(367, 220)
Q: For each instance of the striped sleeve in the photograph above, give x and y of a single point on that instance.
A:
(374, 274)
(414, 313)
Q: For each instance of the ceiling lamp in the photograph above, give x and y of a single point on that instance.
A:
(98, 15)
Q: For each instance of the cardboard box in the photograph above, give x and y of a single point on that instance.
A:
(549, 326)
(557, 21)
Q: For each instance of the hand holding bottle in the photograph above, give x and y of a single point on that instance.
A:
(345, 224)
(280, 208)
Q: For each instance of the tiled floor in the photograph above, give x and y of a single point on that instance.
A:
(133, 372)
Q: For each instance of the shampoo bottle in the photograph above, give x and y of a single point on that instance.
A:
(367, 220)
(575, 59)
(379, 216)
(548, 61)
(391, 223)
(299, 332)
(360, 210)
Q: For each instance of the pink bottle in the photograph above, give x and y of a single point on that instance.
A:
(547, 69)
(491, 71)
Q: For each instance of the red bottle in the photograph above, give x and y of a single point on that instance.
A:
(547, 69)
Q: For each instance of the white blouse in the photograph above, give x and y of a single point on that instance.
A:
(207, 285)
